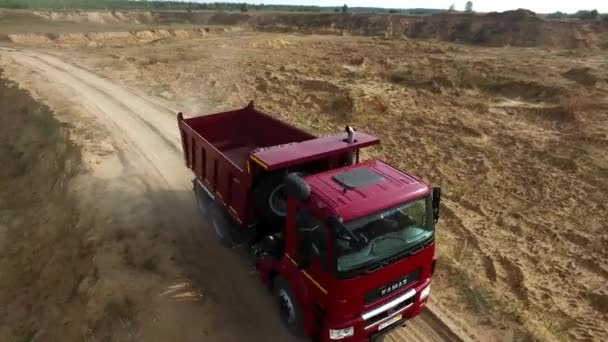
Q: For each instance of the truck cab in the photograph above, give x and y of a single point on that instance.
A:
(357, 252)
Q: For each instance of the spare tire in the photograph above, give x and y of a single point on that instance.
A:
(270, 196)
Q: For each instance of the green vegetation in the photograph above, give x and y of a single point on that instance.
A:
(243, 7)
(582, 15)
(468, 8)
(192, 6)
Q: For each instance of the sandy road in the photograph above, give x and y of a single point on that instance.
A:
(145, 131)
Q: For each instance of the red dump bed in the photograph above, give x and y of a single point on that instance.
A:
(226, 151)
(237, 133)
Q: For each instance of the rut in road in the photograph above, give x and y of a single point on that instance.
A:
(146, 132)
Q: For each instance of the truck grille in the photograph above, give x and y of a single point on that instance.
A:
(373, 320)
(391, 287)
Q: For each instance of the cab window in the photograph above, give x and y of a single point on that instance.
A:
(306, 222)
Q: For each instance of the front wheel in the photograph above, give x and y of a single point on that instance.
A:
(289, 308)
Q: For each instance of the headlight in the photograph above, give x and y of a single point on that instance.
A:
(425, 293)
(341, 333)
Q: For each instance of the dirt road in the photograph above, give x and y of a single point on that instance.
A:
(224, 300)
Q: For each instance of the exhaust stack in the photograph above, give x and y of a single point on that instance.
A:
(351, 135)
(350, 138)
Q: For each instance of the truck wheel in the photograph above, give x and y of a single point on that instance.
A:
(289, 308)
(224, 228)
(271, 198)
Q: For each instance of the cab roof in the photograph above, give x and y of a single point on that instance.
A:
(363, 189)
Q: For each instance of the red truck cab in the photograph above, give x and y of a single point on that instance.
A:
(353, 250)
(359, 251)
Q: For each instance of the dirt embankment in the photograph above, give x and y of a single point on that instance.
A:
(103, 38)
(39, 282)
(496, 29)
(488, 30)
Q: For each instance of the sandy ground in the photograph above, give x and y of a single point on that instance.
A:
(516, 137)
(528, 125)
(154, 273)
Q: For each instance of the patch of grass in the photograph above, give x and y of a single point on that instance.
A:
(399, 75)
(477, 299)
(29, 336)
(150, 264)
(558, 325)
(120, 234)
(122, 308)
(52, 36)
(127, 256)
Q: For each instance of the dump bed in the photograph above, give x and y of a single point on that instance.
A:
(237, 133)
(228, 150)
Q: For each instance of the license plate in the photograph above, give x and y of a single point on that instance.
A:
(389, 322)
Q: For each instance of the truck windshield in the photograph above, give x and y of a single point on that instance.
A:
(372, 240)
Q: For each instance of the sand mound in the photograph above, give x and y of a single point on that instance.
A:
(439, 76)
(104, 38)
(583, 76)
(522, 89)
(97, 17)
(193, 33)
(271, 44)
(30, 39)
(113, 37)
(343, 102)
(71, 38)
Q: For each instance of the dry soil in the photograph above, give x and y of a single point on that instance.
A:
(517, 137)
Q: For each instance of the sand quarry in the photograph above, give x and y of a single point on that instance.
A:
(99, 238)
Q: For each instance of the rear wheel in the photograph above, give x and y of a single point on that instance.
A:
(224, 228)
(289, 308)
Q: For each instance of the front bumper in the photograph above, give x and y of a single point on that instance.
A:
(379, 321)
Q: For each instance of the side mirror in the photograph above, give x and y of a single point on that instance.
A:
(436, 202)
(297, 187)
(305, 252)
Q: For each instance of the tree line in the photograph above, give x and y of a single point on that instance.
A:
(582, 15)
(194, 6)
(243, 7)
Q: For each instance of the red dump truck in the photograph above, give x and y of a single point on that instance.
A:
(346, 246)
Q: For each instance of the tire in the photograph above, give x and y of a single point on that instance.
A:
(270, 198)
(223, 227)
(289, 308)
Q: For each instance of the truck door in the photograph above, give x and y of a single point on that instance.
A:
(318, 273)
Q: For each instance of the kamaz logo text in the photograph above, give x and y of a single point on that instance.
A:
(393, 287)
